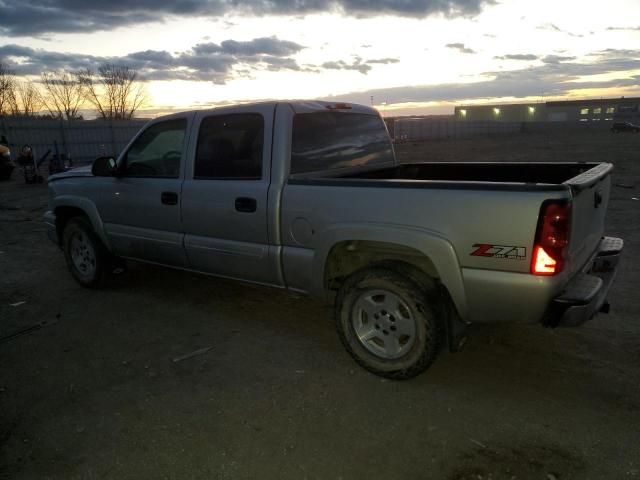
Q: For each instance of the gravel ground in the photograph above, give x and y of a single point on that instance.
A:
(94, 393)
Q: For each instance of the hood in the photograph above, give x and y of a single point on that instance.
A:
(84, 171)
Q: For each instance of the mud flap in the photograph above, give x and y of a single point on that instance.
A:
(455, 328)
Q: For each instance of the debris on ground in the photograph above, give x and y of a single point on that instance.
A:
(17, 304)
(25, 331)
(195, 353)
(480, 444)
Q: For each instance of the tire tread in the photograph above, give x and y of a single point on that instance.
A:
(420, 298)
(102, 254)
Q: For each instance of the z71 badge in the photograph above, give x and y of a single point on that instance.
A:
(499, 251)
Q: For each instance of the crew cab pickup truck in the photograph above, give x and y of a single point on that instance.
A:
(308, 196)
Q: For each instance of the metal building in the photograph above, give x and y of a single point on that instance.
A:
(595, 110)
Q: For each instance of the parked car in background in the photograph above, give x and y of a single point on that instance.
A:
(6, 165)
(308, 196)
(625, 127)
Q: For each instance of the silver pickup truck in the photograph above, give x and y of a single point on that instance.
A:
(308, 196)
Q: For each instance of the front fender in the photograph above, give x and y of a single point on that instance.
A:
(430, 243)
(88, 207)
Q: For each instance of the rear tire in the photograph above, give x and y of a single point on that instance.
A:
(387, 322)
(87, 258)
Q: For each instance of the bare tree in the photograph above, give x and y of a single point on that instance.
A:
(12, 100)
(114, 91)
(8, 101)
(30, 98)
(64, 94)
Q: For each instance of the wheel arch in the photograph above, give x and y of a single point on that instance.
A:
(66, 207)
(347, 249)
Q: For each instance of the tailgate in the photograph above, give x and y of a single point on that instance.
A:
(590, 198)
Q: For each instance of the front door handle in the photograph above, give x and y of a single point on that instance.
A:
(169, 198)
(246, 204)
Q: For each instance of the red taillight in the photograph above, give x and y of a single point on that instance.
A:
(552, 238)
(543, 264)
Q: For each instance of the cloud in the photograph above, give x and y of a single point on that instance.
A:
(631, 29)
(549, 26)
(205, 61)
(357, 65)
(384, 61)
(362, 66)
(215, 62)
(551, 79)
(460, 47)
(39, 17)
(267, 46)
(615, 52)
(556, 58)
(554, 28)
(517, 56)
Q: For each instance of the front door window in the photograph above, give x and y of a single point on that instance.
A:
(157, 151)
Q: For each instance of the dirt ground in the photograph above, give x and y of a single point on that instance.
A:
(95, 392)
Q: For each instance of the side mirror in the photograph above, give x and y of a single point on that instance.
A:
(104, 167)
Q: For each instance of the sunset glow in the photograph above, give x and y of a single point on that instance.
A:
(412, 62)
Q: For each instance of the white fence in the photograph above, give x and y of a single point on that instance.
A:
(417, 129)
(81, 140)
(408, 129)
(85, 140)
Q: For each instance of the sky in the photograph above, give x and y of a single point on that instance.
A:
(404, 57)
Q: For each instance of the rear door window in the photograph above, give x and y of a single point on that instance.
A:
(230, 147)
(329, 140)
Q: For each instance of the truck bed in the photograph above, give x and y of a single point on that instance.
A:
(466, 203)
(542, 173)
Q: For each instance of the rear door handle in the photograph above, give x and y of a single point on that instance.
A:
(169, 198)
(246, 204)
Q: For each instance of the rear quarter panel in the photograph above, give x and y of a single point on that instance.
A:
(463, 217)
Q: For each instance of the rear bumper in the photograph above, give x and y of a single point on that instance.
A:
(586, 293)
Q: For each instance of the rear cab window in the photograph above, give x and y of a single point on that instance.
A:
(336, 140)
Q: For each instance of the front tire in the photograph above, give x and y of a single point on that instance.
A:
(86, 256)
(388, 324)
